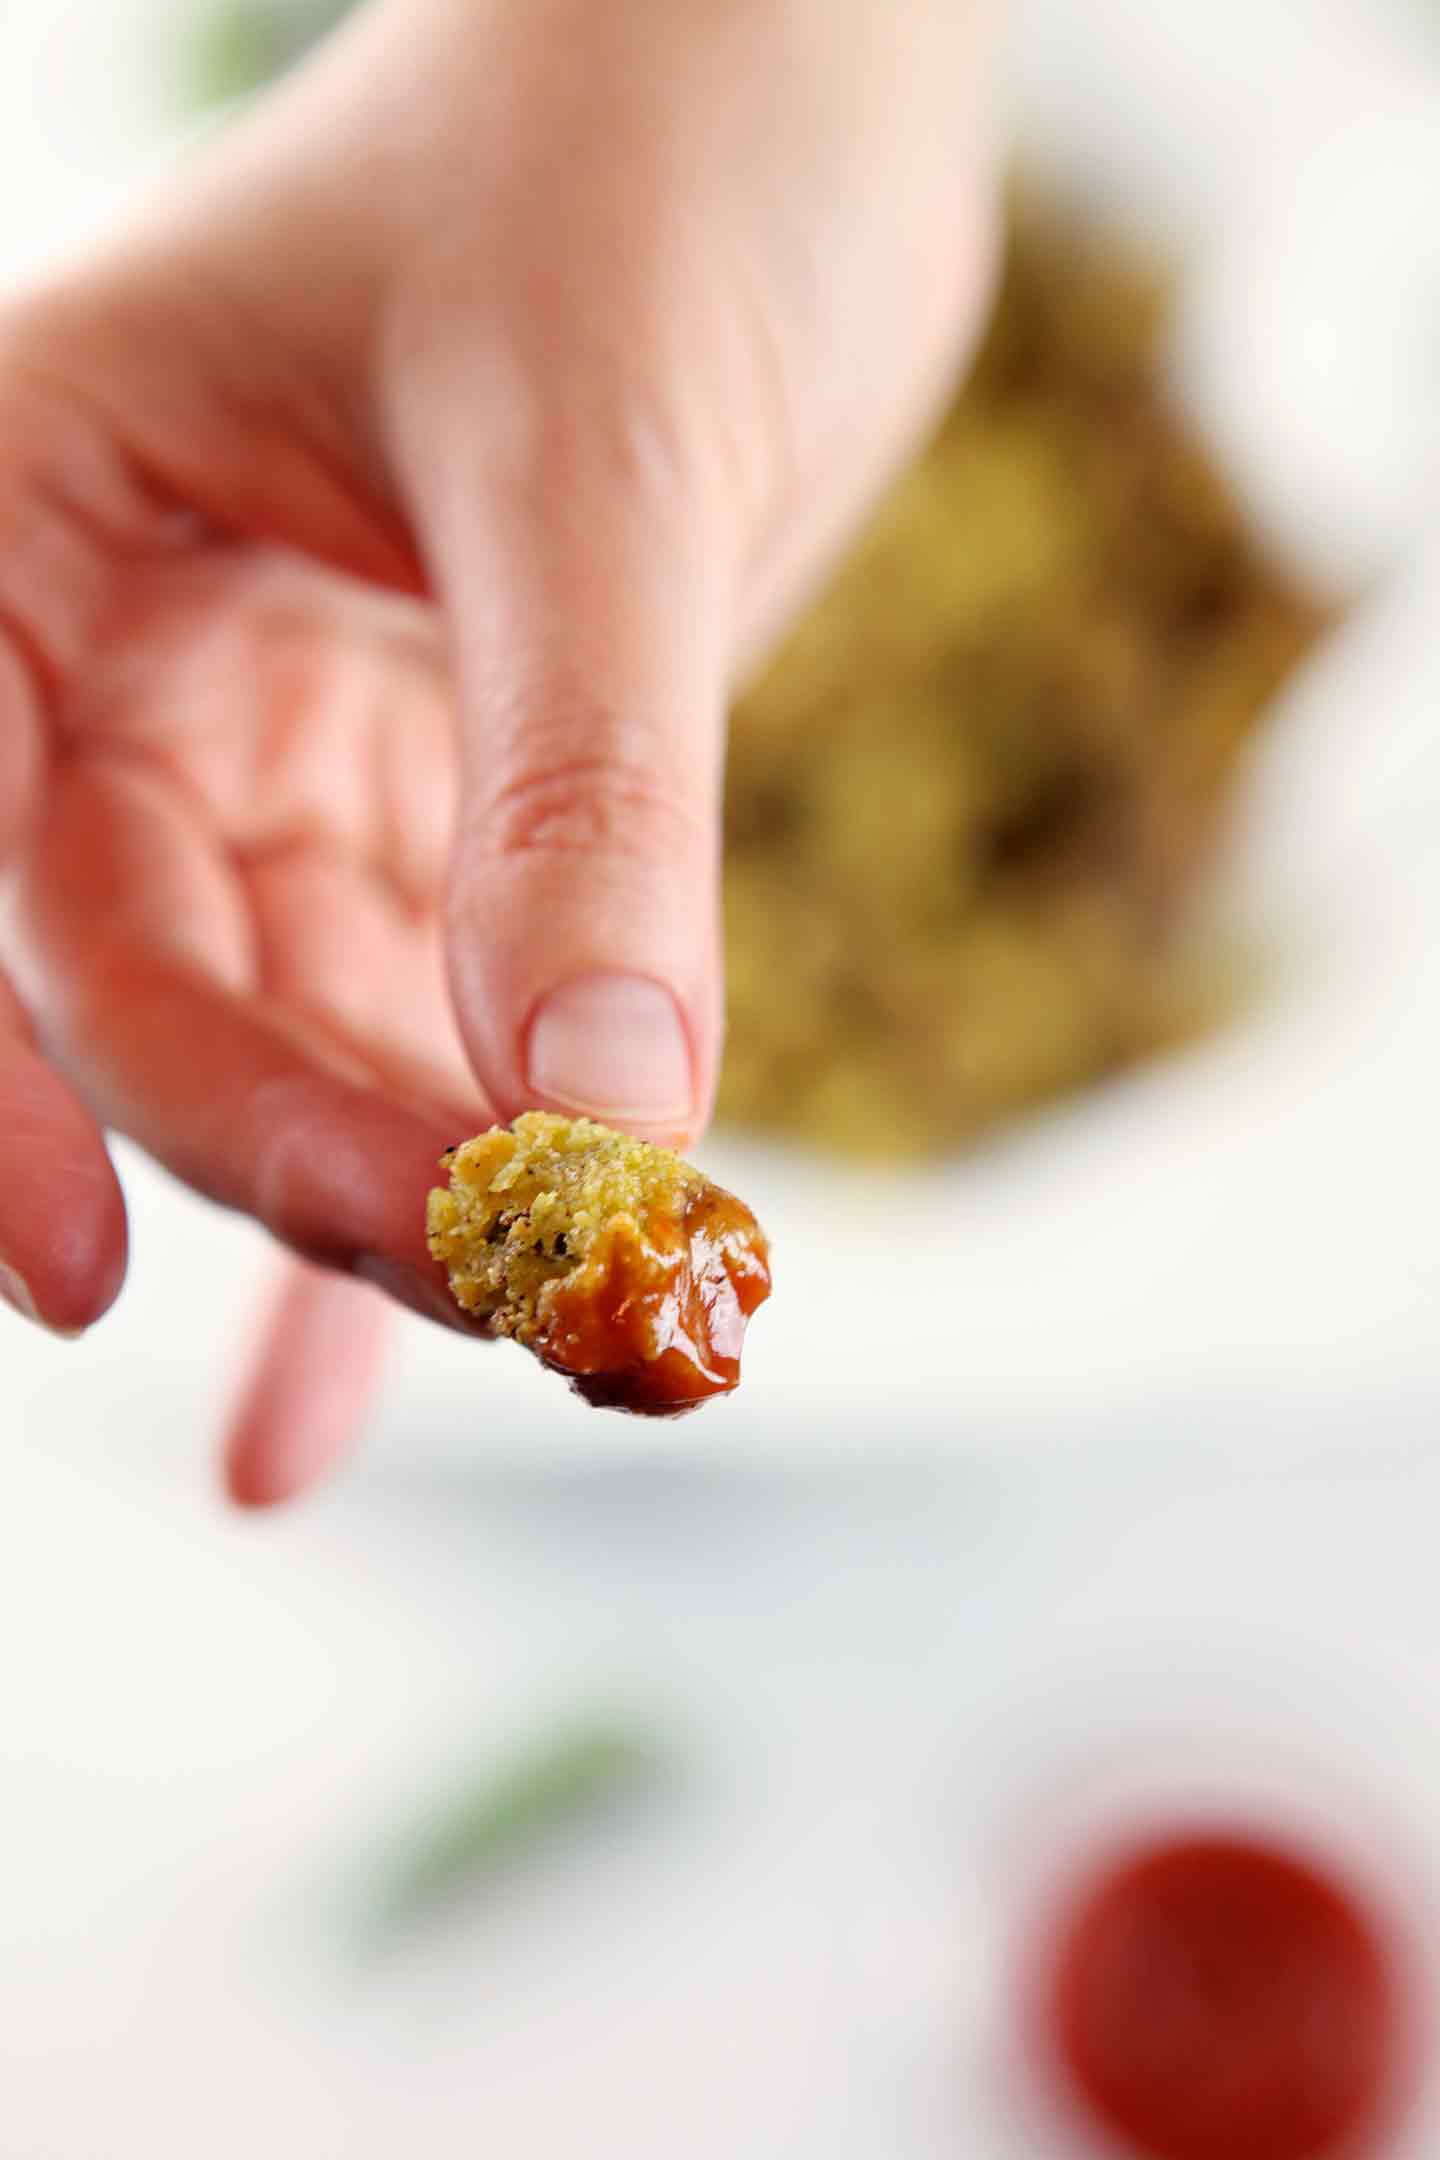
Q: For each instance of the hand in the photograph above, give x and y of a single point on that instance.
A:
(383, 519)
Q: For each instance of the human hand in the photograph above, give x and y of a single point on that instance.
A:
(383, 519)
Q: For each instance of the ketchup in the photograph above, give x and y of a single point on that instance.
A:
(1219, 1997)
(655, 1324)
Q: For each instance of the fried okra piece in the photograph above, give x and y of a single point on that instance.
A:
(615, 1262)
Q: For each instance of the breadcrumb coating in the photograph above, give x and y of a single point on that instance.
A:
(612, 1260)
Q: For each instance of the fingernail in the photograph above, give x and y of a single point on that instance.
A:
(16, 1293)
(613, 1047)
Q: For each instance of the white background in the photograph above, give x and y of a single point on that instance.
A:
(1171, 1522)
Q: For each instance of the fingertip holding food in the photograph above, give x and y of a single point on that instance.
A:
(614, 1046)
(611, 1260)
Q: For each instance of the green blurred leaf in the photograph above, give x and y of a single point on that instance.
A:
(244, 44)
(574, 1775)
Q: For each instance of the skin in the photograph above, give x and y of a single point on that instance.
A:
(384, 518)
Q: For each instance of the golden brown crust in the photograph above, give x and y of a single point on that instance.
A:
(613, 1261)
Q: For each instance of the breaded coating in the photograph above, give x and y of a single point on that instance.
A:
(615, 1262)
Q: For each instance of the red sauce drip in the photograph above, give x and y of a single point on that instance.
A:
(655, 1324)
(1219, 1999)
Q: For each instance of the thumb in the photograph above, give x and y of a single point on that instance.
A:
(585, 575)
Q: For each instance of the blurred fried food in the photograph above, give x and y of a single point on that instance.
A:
(966, 802)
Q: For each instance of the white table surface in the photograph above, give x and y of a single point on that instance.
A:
(1174, 1520)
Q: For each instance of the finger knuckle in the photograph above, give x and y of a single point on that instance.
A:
(601, 802)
